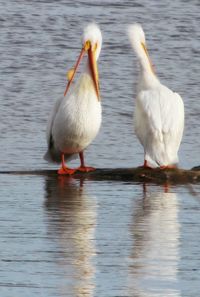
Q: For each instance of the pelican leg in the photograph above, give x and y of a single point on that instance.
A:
(63, 169)
(146, 165)
(84, 168)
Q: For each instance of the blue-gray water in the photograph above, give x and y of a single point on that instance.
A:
(67, 237)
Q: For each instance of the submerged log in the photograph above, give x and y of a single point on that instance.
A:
(140, 174)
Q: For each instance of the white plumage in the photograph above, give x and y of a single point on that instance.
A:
(159, 112)
(76, 118)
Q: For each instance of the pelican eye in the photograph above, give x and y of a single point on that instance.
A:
(87, 45)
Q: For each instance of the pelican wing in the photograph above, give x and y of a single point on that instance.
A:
(159, 113)
(51, 120)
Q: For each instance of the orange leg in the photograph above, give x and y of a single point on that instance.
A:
(84, 168)
(64, 169)
(146, 164)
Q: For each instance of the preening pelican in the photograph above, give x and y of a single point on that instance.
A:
(159, 112)
(76, 118)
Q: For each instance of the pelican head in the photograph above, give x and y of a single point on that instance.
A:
(138, 42)
(92, 41)
(136, 35)
(92, 38)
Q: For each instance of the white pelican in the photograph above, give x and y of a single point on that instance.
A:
(76, 118)
(159, 112)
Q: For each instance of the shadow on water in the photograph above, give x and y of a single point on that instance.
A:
(155, 254)
(71, 220)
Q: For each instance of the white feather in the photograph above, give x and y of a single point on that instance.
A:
(159, 112)
(76, 118)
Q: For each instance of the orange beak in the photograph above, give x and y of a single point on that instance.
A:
(75, 69)
(150, 63)
(94, 70)
(92, 65)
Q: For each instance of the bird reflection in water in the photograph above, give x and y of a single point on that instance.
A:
(155, 255)
(71, 220)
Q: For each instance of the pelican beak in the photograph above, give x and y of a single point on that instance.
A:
(93, 67)
(147, 54)
(92, 64)
(71, 73)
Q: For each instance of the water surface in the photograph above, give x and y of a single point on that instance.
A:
(40, 41)
(71, 237)
(67, 237)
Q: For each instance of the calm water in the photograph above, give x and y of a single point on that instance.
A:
(66, 237)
